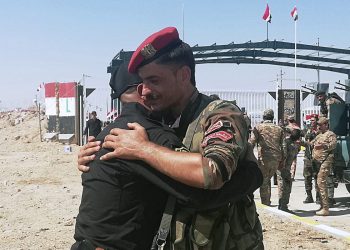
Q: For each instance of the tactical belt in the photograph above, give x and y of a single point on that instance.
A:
(159, 239)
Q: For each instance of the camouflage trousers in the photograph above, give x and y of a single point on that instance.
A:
(268, 168)
(330, 184)
(284, 181)
(236, 227)
(309, 173)
(322, 182)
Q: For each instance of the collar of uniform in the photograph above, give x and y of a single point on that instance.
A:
(193, 98)
(132, 106)
(267, 121)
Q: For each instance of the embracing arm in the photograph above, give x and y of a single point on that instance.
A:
(133, 144)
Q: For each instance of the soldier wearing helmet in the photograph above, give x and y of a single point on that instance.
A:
(323, 155)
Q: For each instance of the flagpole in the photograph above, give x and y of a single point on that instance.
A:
(267, 31)
(295, 64)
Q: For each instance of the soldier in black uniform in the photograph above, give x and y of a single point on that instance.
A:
(119, 208)
(93, 125)
(123, 201)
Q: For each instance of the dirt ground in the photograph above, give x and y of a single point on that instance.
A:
(40, 195)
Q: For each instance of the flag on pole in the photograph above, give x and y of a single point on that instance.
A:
(267, 14)
(41, 85)
(294, 13)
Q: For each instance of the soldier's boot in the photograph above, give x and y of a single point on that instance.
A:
(284, 207)
(309, 198)
(325, 208)
(323, 212)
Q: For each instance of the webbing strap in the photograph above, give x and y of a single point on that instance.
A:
(159, 239)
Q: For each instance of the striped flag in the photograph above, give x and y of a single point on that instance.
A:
(267, 14)
(41, 85)
(294, 13)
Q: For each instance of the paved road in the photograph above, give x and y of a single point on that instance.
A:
(339, 217)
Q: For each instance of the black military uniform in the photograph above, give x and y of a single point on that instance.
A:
(93, 127)
(120, 209)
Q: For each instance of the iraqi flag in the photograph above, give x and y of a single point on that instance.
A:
(294, 13)
(267, 14)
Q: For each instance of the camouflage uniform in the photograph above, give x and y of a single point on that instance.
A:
(324, 158)
(330, 179)
(219, 133)
(288, 129)
(270, 140)
(284, 178)
(310, 171)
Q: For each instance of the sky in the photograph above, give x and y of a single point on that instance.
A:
(62, 40)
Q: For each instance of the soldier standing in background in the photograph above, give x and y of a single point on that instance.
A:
(291, 126)
(271, 151)
(323, 155)
(93, 125)
(309, 171)
(324, 102)
(284, 178)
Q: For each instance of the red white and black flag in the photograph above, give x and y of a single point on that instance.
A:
(267, 14)
(294, 13)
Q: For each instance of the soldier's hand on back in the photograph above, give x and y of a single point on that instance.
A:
(87, 153)
(127, 144)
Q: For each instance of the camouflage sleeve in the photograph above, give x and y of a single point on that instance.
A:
(224, 141)
(254, 139)
(332, 141)
(283, 144)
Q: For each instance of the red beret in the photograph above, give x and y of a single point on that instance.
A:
(155, 45)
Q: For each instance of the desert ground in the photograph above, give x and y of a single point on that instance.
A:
(40, 192)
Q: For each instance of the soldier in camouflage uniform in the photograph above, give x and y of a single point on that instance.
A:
(284, 177)
(323, 155)
(324, 102)
(214, 131)
(291, 126)
(309, 170)
(271, 151)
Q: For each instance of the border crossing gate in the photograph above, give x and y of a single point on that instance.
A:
(255, 102)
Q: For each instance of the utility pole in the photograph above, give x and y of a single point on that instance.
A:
(318, 56)
(57, 94)
(281, 80)
(37, 104)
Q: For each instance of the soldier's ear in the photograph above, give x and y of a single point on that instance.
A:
(139, 89)
(185, 73)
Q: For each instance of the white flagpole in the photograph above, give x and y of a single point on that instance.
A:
(295, 65)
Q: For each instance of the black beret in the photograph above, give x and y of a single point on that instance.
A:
(121, 80)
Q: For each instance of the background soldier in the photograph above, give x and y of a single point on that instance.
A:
(93, 125)
(291, 126)
(324, 102)
(271, 151)
(323, 155)
(284, 178)
(309, 170)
